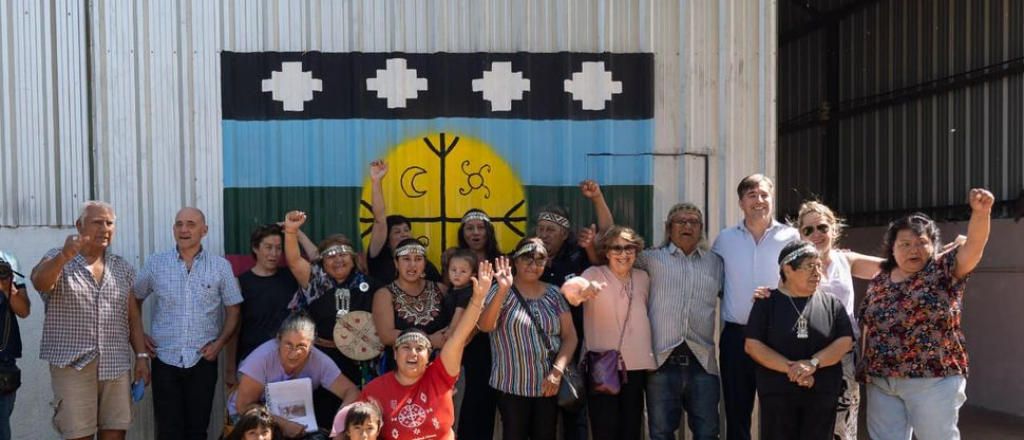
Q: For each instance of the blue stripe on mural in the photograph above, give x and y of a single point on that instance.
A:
(335, 153)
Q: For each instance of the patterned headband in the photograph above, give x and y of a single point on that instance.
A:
(554, 218)
(337, 249)
(475, 215)
(532, 248)
(411, 248)
(798, 253)
(413, 337)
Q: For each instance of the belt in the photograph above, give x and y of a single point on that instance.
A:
(682, 350)
(733, 325)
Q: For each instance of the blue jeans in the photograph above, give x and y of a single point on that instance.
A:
(6, 408)
(925, 407)
(681, 383)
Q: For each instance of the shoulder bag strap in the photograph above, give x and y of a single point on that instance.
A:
(534, 320)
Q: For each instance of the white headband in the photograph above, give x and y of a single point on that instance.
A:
(475, 215)
(411, 248)
(413, 337)
(532, 248)
(554, 218)
(337, 249)
(798, 253)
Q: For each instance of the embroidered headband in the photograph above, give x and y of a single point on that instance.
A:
(413, 337)
(475, 215)
(337, 249)
(554, 218)
(808, 249)
(531, 248)
(411, 248)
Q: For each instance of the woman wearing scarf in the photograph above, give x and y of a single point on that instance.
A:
(329, 287)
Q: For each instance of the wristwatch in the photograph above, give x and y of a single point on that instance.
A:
(815, 362)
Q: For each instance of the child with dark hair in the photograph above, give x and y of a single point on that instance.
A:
(357, 421)
(255, 424)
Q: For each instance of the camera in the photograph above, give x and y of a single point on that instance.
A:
(6, 271)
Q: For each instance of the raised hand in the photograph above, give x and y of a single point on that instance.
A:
(981, 200)
(503, 273)
(585, 238)
(378, 169)
(483, 280)
(591, 189)
(74, 244)
(294, 220)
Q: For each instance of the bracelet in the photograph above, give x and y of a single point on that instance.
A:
(560, 369)
(476, 304)
(142, 355)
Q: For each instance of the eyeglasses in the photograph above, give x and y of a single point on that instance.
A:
(300, 348)
(619, 249)
(823, 228)
(685, 222)
(813, 267)
(536, 262)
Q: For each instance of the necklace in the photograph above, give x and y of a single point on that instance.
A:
(801, 320)
(342, 301)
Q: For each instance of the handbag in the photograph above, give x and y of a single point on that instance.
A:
(10, 377)
(570, 389)
(606, 370)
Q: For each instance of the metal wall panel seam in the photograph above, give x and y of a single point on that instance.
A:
(8, 201)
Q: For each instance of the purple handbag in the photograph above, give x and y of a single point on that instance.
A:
(606, 370)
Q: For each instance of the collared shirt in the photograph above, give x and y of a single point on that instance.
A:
(749, 264)
(683, 298)
(86, 320)
(187, 303)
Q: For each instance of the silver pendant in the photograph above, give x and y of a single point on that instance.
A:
(342, 301)
(801, 328)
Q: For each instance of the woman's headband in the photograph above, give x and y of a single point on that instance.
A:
(337, 249)
(475, 215)
(411, 248)
(413, 337)
(799, 252)
(530, 248)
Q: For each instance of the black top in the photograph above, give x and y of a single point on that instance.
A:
(264, 307)
(324, 310)
(430, 310)
(382, 268)
(773, 322)
(570, 262)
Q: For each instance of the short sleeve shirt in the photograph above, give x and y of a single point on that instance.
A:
(773, 322)
(421, 411)
(86, 320)
(914, 325)
(264, 366)
(519, 359)
(187, 303)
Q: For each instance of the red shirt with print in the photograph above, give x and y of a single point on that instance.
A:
(421, 411)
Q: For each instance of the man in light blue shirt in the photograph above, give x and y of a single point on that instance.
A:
(750, 252)
(189, 287)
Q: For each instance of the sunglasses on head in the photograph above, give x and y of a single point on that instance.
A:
(808, 230)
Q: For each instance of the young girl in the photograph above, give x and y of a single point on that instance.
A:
(358, 421)
(255, 424)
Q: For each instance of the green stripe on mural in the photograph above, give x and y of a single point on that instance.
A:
(335, 210)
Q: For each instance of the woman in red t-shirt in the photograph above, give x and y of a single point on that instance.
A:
(416, 398)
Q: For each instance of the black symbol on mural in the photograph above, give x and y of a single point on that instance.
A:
(409, 185)
(475, 180)
(424, 239)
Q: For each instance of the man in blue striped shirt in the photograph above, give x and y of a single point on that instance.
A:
(750, 251)
(686, 279)
(190, 287)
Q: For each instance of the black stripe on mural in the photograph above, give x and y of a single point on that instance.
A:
(316, 85)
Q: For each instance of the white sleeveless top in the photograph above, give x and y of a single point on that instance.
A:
(839, 282)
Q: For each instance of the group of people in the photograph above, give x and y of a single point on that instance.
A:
(499, 332)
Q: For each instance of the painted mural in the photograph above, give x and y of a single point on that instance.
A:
(506, 133)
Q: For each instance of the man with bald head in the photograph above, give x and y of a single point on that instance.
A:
(189, 287)
(92, 332)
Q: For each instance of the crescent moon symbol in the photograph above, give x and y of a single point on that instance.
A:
(409, 186)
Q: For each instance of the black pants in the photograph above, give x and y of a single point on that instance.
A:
(183, 399)
(619, 417)
(738, 382)
(528, 418)
(802, 416)
(476, 419)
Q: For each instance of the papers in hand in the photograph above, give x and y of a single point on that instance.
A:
(293, 400)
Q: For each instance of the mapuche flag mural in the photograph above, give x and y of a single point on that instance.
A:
(503, 132)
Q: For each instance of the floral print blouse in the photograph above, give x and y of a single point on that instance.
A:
(913, 327)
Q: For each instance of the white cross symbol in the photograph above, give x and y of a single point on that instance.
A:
(396, 83)
(593, 86)
(292, 86)
(501, 86)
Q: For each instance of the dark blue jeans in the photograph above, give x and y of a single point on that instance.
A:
(681, 383)
(6, 407)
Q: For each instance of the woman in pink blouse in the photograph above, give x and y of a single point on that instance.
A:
(614, 298)
(914, 359)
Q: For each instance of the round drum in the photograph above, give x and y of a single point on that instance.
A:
(356, 336)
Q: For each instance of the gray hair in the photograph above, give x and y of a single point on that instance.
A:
(84, 208)
(298, 322)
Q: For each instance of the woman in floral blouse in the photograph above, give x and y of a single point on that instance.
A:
(914, 359)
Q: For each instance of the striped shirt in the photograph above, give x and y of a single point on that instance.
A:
(519, 359)
(749, 264)
(684, 295)
(86, 320)
(187, 304)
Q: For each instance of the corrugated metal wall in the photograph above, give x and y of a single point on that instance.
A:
(119, 99)
(923, 152)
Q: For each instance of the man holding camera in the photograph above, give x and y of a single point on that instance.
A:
(90, 329)
(14, 303)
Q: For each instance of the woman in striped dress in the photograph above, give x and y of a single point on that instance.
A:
(532, 341)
